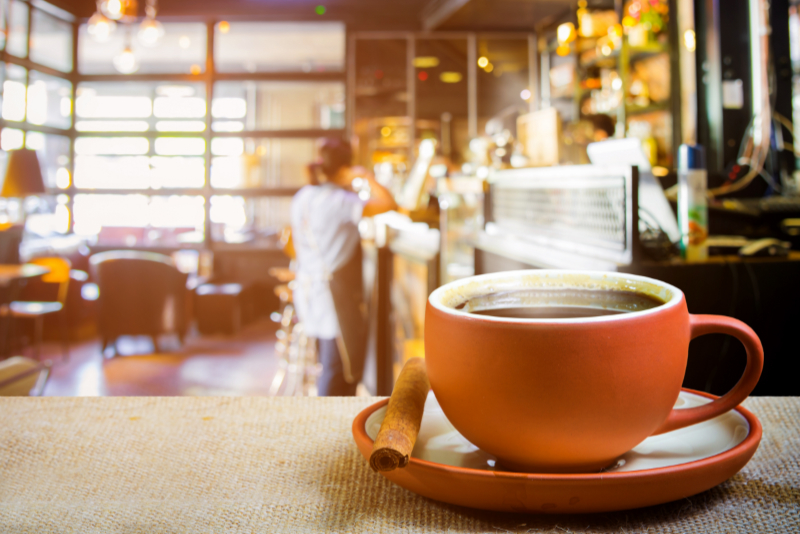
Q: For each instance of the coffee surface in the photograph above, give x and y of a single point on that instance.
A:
(548, 312)
(559, 303)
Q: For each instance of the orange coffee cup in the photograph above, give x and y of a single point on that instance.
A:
(569, 395)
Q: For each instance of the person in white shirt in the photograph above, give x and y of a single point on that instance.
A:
(328, 296)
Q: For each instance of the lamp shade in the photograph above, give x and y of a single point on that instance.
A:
(23, 175)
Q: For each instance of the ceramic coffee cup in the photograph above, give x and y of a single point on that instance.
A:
(569, 395)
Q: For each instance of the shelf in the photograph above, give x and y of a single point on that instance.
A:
(642, 52)
(640, 110)
(601, 61)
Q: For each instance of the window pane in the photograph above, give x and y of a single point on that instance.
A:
(17, 29)
(183, 172)
(112, 126)
(51, 41)
(138, 220)
(13, 94)
(100, 106)
(181, 126)
(139, 172)
(11, 139)
(51, 217)
(277, 106)
(235, 219)
(501, 86)
(122, 146)
(180, 146)
(170, 107)
(441, 95)
(107, 172)
(53, 152)
(49, 100)
(279, 47)
(182, 49)
(248, 162)
(3, 8)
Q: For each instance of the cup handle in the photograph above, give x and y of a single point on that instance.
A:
(717, 324)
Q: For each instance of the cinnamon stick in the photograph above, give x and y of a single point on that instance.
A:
(400, 427)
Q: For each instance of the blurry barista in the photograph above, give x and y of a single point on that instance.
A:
(329, 296)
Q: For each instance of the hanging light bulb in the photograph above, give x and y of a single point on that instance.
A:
(112, 9)
(126, 62)
(100, 27)
(122, 10)
(150, 32)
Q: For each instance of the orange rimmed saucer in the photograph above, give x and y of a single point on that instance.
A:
(446, 467)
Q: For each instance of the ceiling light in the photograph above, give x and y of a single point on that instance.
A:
(112, 8)
(489, 67)
(126, 62)
(224, 26)
(426, 62)
(525, 94)
(450, 77)
(565, 33)
(150, 32)
(100, 27)
(483, 61)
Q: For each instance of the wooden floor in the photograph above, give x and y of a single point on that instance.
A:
(243, 364)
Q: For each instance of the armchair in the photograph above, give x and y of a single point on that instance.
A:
(141, 293)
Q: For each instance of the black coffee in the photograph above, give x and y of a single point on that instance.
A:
(548, 312)
(559, 303)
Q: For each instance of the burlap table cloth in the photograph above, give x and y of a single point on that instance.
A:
(252, 465)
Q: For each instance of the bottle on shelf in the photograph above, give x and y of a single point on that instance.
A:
(692, 202)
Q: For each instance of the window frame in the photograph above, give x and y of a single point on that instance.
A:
(208, 78)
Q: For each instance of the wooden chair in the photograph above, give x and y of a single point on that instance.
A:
(20, 376)
(35, 310)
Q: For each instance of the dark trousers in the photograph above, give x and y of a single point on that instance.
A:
(331, 382)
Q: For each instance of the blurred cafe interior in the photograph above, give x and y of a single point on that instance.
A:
(153, 151)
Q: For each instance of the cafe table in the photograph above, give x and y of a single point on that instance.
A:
(13, 273)
(10, 278)
(257, 465)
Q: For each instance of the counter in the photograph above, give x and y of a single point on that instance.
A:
(203, 465)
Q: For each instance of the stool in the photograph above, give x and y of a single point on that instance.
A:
(218, 308)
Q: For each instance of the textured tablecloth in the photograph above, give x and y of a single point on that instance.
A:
(252, 465)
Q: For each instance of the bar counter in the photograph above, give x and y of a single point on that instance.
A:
(254, 464)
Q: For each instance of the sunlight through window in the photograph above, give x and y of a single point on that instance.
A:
(13, 100)
(180, 126)
(180, 146)
(111, 145)
(113, 107)
(228, 108)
